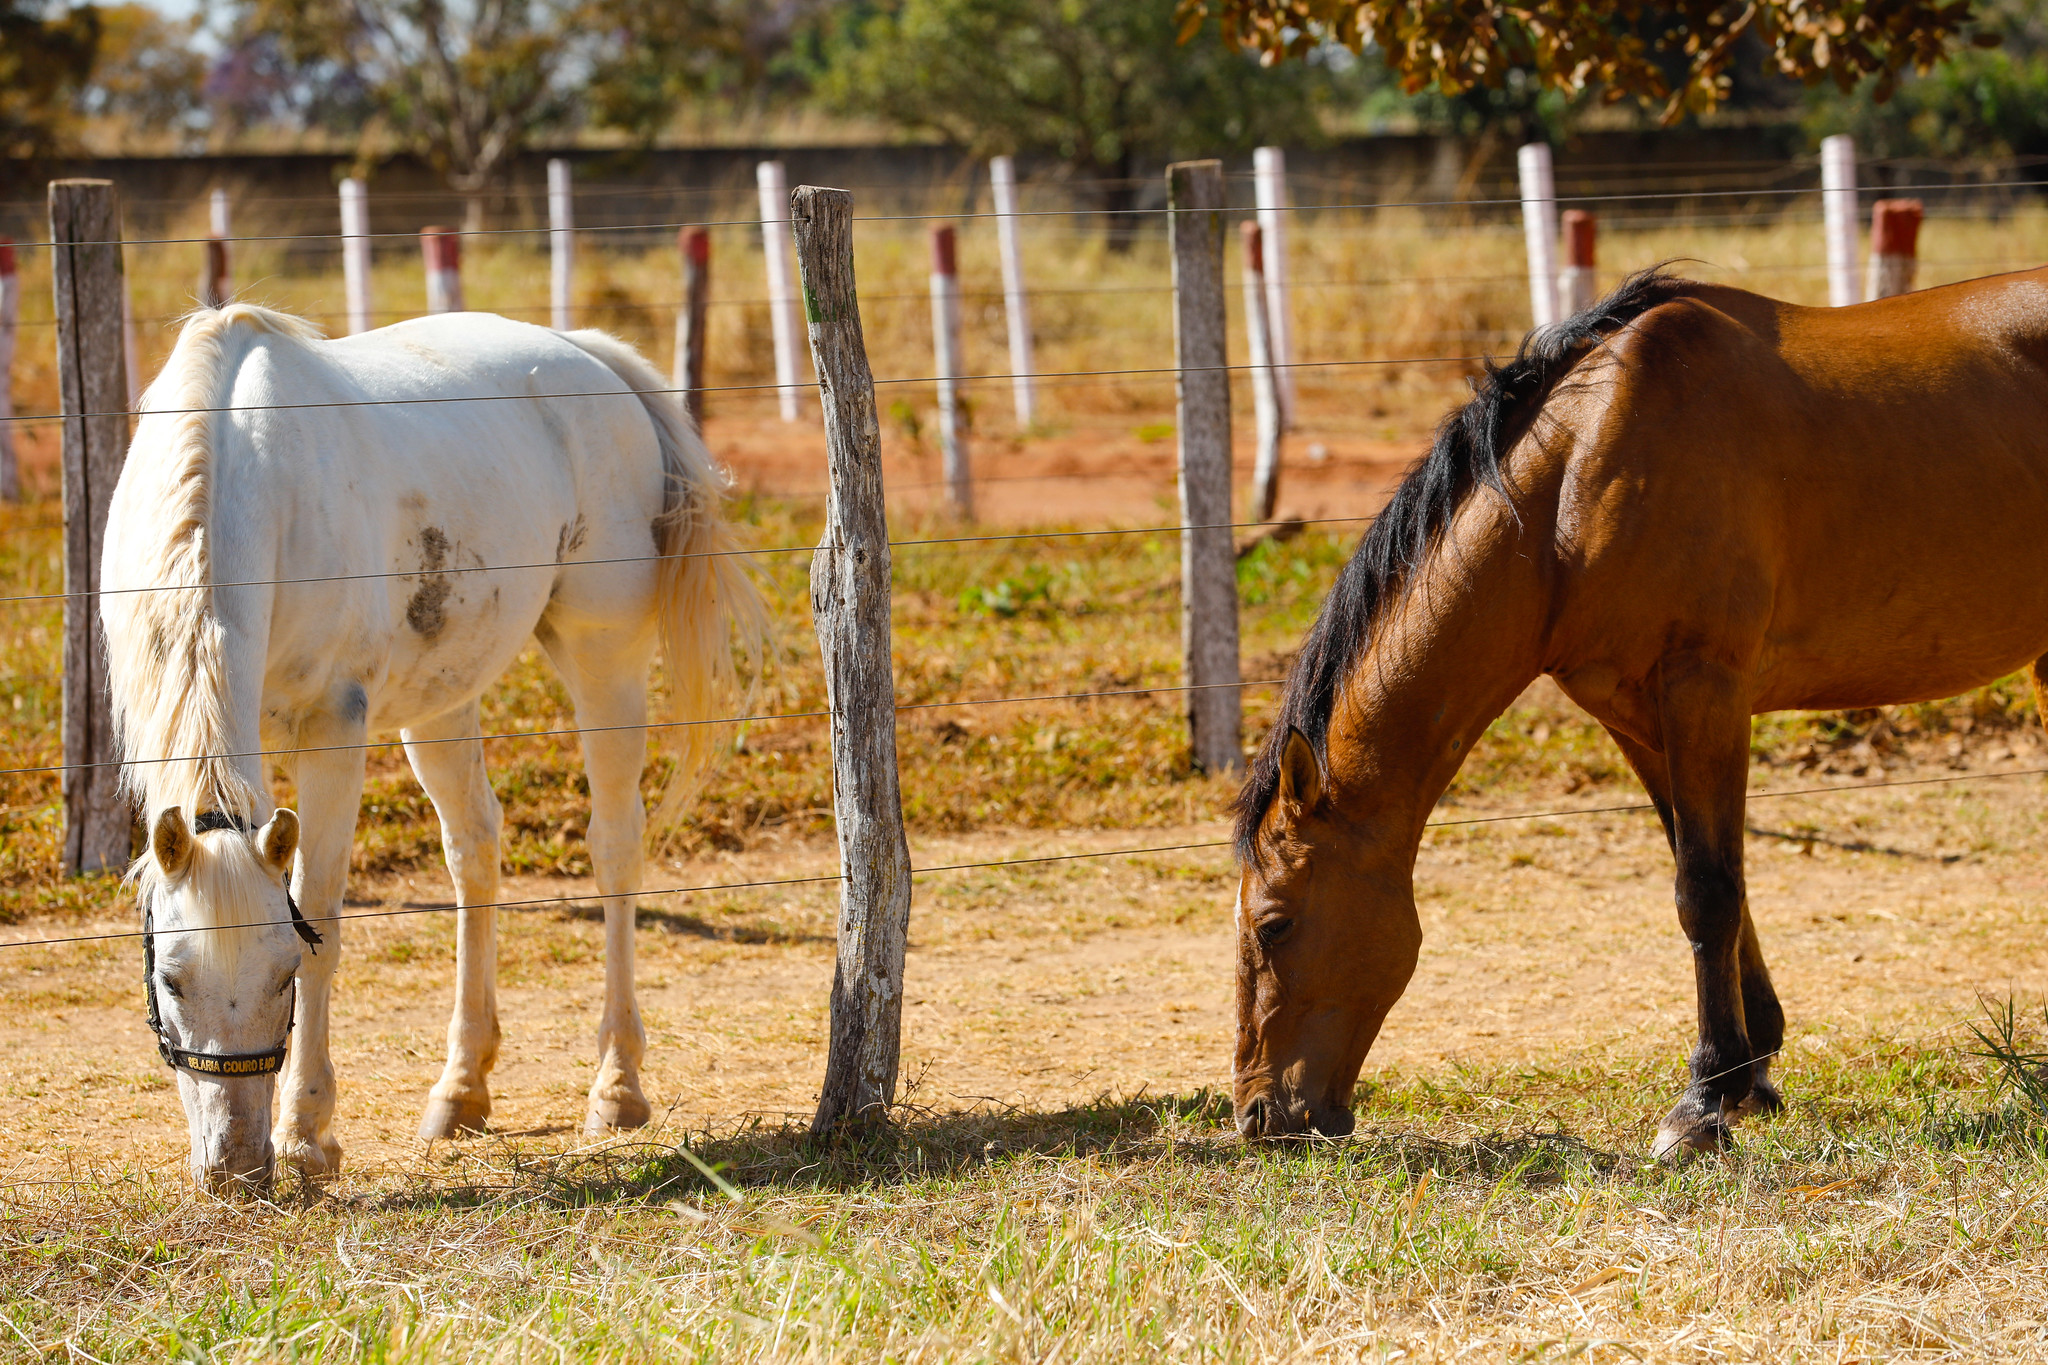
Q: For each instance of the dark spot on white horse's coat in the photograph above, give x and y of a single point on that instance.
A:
(355, 703)
(426, 611)
(571, 538)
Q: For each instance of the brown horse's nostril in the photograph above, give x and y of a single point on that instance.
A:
(1253, 1119)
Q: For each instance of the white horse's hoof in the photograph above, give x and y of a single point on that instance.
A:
(624, 1109)
(450, 1116)
(313, 1158)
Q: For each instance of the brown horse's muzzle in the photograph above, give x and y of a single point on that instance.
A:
(1263, 1115)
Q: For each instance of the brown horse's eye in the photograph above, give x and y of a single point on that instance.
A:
(1272, 931)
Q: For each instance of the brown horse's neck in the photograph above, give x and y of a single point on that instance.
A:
(1454, 651)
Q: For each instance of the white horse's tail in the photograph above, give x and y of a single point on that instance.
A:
(708, 597)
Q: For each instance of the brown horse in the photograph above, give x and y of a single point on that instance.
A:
(1688, 505)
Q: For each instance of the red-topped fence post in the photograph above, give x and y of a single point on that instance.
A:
(695, 245)
(442, 248)
(1894, 246)
(948, 368)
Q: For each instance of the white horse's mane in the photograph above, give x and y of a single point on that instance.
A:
(167, 670)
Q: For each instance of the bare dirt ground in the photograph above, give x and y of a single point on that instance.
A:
(1884, 913)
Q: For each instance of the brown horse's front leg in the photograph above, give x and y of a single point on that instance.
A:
(1704, 715)
(1762, 1015)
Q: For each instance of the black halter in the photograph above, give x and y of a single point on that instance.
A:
(264, 1063)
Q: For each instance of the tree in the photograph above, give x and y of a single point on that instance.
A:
(1096, 83)
(1674, 53)
(148, 75)
(46, 55)
(466, 85)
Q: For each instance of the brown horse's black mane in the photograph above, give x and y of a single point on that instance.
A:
(1465, 456)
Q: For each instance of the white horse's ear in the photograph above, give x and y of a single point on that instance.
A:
(171, 841)
(279, 839)
(1301, 777)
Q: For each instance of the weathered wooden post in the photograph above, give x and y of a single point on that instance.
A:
(850, 607)
(948, 368)
(1539, 230)
(10, 323)
(442, 248)
(215, 286)
(1269, 191)
(1577, 287)
(773, 184)
(1838, 215)
(1002, 179)
(1266, 406)
(92, 379)
(691, 321)
(561, 243)
(1208, 558)
(1894, 246)
(355, 254)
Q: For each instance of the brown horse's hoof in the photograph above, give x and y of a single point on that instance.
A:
(1691, 1129)
(452, 1117)
(1762, 1100)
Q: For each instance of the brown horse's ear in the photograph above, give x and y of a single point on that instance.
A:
(279, 839)
(170, 839)
(1301, 777)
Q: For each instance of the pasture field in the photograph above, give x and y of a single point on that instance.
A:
(1063, 1182)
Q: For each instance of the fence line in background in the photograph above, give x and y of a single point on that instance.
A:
(10, 326)
(1578, 288)
(850, 591)
(1894, 246)
(691, 319)
(1838, 213)
(1269, 192)
(1208, 557)
(1002, 176)
(441, 252)
(92, 376)
(1266, 393)
(355, 254)
(1539, 230)
(948, 363)
(782, 315)
(561, 244)
(216, 282)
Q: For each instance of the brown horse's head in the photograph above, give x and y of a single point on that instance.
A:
(1326, 941)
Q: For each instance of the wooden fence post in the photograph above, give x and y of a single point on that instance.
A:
(561, 242)
(1894, 246)
(10, 323)
(947, 367)
(1002, 179)
(850, 608)
(1208, 557)
(92, 378)
(690, 322)
(770, 178)
(215, 286)
(1269, 191)
(1539, 230)
(442, 248)
(1839, 216)
(1266, 405)
(355, 254)
(1577, 287)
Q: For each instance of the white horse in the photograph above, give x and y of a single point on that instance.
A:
(329, 550)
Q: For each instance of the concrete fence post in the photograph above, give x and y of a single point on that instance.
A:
(216, 285)
(695, 244)
(442, 249)
(1577, 286)
(1894, 246)
(850, 584)
(1539, 230)
(1269, 191)
(783, 321)
(92, 378)
(10, 324)
(561, 244)
(948, 367)
(1208, 552)
(1002, 177)
(1839, 216)
(1265, 389)
(355, 254)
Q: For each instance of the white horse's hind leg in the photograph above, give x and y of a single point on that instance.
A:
(606, 674)
(330, 793)
(448, 759)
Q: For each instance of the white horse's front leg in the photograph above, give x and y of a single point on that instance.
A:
(330, 789)
(448, 759)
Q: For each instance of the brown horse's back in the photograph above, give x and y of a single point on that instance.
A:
(1847, 505)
